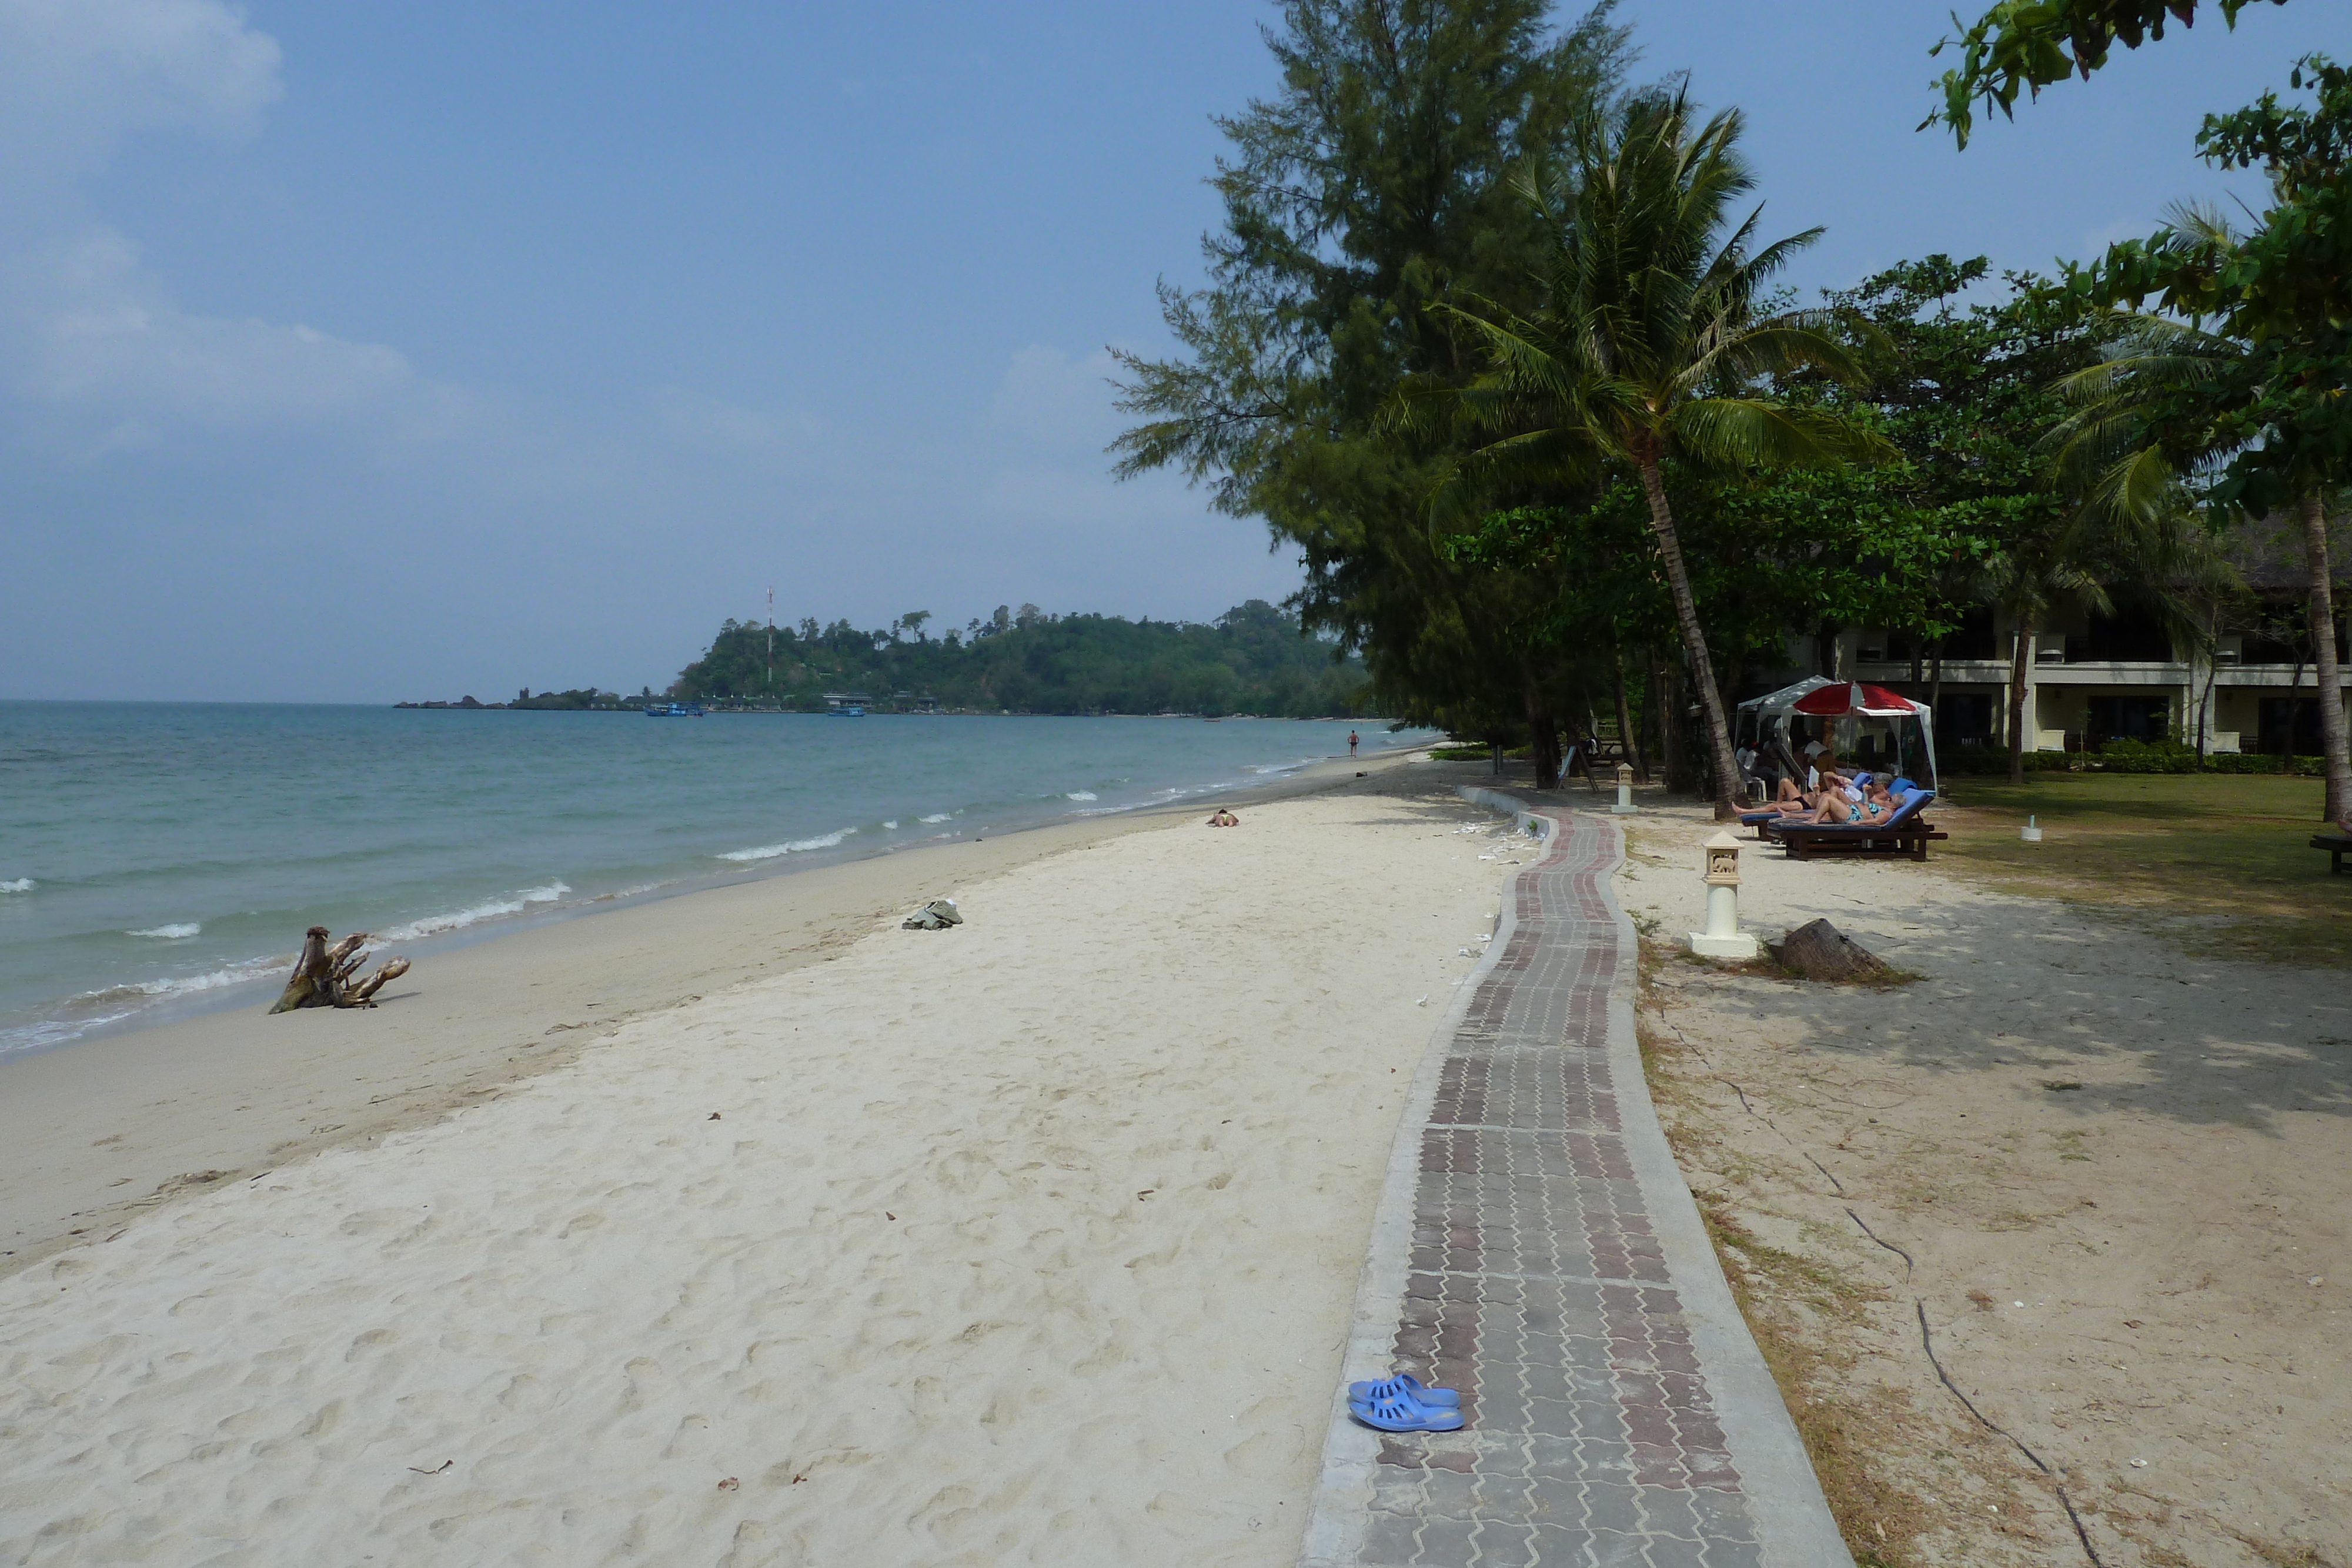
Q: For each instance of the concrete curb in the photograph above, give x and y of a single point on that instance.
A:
(1780, 1519)
(1793, 1522)
(1335, 1527)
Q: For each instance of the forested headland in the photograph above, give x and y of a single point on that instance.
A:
(1253, 659)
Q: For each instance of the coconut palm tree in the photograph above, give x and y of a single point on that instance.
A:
(1648, 349)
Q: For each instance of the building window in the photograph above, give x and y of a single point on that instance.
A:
(1964, 718)
(2302, 712)
(2128, 718)
(1974, 639)
(2134, 636)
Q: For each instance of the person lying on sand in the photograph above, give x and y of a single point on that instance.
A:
(1221, 817)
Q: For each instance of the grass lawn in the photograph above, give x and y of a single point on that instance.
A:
(2221, 862)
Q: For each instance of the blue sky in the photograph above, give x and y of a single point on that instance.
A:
(362, 350)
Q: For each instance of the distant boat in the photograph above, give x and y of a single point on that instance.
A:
(674, 710)
(847, 710)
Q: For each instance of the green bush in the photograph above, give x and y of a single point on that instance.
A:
(1981, 759)
(2122, 756)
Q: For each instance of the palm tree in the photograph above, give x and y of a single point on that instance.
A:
(2156, 415)
(1648, 347)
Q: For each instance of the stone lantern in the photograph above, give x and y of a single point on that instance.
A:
(1722, 938)
(1625, 790)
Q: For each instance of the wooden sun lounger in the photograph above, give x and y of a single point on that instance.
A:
(2337, 846)
(1907, 833)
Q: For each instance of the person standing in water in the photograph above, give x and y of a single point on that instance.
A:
(1351, 743)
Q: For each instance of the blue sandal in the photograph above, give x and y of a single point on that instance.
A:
(1404, 1385)
(1405, 1416)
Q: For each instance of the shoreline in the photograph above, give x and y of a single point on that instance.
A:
(238, 982)
(100, 1128)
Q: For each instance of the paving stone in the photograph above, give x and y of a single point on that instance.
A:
(1391, 1541)
(1535, 1284)
(1445, 1543)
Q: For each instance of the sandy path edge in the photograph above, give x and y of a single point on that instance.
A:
(98, 1131)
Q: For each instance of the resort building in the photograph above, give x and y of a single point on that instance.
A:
(2092, 679)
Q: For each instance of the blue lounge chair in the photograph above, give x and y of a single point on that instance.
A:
(1907, 832)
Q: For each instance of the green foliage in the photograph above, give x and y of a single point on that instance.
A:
(2126, 756)
(1646, 346)
(1252, 659)
(2269, 397)
(2260, 394)
(577, 701)
(1376, 181)
(2027, 45)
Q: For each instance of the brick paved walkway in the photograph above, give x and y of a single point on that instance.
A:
(1537, 1250)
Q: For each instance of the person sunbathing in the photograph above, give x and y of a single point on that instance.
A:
(1861, 801)
(1221, 817)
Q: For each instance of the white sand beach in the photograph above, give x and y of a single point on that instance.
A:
(1033, 1241)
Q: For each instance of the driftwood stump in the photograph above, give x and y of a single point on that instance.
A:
(322, 975)
(1819, 951)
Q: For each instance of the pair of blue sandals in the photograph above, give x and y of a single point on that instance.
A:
(1404, 1404)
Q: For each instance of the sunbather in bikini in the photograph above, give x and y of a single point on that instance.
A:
(1860, 801)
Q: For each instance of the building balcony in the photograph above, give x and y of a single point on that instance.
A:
(2095, 673)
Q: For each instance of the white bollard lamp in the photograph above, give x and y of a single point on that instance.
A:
(1625, 790)
(1723, 939)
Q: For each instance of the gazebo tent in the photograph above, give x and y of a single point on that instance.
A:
(1819, 698)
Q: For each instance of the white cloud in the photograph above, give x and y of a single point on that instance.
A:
(103, 358)
(94, 345)
(76, 76)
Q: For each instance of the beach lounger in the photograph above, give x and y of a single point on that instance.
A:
(1907, 832)
(2337, 846)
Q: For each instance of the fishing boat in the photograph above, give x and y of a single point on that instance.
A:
(673, 710)
(846, 705)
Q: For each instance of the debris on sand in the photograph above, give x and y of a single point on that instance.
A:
(1819, 951)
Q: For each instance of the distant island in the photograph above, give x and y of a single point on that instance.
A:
(1253, 659)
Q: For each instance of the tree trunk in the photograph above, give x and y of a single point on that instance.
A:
(2213, 673)
(1702, 668)
(1936, 682)
(322, 976)
(2323, 659)
(1673, 734)
(2293, 712)
(2017, 667)
(1625, 736)
(1545, 734)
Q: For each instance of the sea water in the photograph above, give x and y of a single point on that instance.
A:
(157, 857)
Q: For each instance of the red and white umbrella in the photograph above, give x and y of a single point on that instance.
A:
(1856, 699)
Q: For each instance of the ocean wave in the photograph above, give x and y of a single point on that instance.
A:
(236, 974)
(938, 817)
(1080, 795)
(1291, 767)
(184, 929)
(22, 884)
(458, 920)
(797, 846)
(891, 827)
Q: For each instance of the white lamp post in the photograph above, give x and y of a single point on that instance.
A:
(1625, 790)
(1723, 939)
